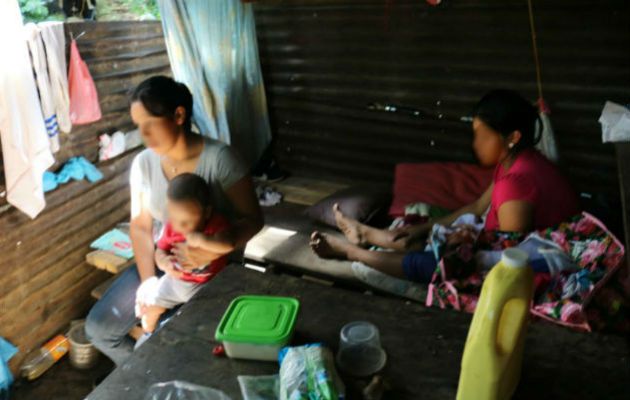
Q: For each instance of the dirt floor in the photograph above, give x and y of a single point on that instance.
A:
(62, 382)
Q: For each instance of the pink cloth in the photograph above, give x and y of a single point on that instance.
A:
(535, 179)
(449, 185)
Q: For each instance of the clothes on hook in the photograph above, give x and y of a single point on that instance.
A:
(55, 44)
(25, 143)
(40, 68)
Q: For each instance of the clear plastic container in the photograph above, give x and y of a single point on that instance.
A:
(257, 327)
(360, 351)
(40, 360)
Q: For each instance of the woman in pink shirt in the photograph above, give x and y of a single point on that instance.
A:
(528, 192)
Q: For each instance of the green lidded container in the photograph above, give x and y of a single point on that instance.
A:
(256, 327)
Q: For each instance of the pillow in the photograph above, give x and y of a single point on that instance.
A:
(449, 185)
(363, 203)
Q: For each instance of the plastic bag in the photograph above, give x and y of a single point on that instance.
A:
(308, 372)
(615, 121)
(262, 387)
(181, 390)
(111, 146)
(547, 144)
(84, 107)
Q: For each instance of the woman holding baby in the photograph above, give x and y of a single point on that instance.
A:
(162, 110)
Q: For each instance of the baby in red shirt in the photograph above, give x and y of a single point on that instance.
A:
(191, 220)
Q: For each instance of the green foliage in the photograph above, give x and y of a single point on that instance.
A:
(33, 10)
(144, 7)
(127, 10)
(36, 11)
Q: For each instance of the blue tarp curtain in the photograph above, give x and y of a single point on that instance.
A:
(213, 49)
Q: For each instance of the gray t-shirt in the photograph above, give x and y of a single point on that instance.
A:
(218, 165)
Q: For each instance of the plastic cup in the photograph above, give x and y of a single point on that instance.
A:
(360, 352)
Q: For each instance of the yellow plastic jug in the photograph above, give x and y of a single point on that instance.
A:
(491, 365)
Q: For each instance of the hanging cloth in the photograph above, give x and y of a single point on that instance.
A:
(55, 44)
(25, 145)
(213, 49)
(40, 67)
(547, 143)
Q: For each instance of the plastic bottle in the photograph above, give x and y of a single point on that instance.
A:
(491, 365)
(40, 360)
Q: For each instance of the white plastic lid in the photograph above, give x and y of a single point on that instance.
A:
(515, 258)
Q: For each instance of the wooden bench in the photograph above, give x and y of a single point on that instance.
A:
(107, 261)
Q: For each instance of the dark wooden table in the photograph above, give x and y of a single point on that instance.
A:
(424, 346)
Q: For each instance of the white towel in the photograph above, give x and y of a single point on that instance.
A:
(55, 44)
(40, 66)
(25, 145)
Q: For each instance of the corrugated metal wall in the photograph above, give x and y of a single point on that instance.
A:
(44, 279)
(325, 61)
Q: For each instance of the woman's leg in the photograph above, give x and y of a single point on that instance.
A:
(331, 247)
(417, 266)
(113, 316)
(364, 235)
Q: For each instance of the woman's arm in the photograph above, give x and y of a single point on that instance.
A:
(477, 208)
(141, 234)
(417, 233)
(211, 243)
(516, 216)
(249, 215)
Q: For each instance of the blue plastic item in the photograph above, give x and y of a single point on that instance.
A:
(75, 168)
(72, 169)
(91, 172)
(7, 350)
(50, 181)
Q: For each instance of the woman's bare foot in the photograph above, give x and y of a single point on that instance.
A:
(350, 227)
(327, 246)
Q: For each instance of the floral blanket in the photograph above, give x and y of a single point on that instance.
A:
(593, 297)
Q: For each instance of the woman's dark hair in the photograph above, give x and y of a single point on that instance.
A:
(506, 111)
(161, 95)
(190, 187)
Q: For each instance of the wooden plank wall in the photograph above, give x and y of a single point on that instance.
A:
(44, 279)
